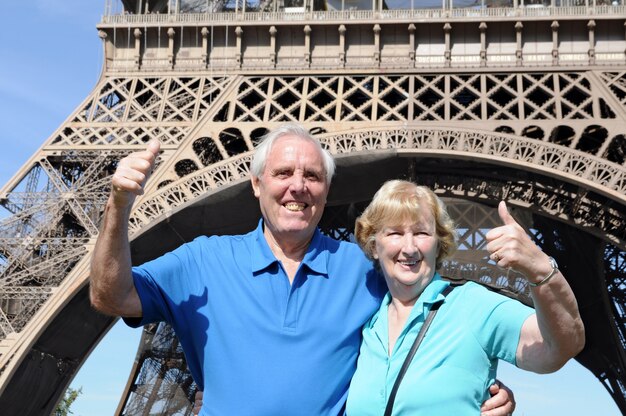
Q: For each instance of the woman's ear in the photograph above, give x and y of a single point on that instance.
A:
(372, 249)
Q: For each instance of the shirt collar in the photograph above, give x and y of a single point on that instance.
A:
(431, 294)
(316, 257)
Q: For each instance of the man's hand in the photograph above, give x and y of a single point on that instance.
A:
(132, 173)
(197, 404)
(501, 403)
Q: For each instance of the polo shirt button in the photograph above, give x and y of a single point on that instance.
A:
(382, 393)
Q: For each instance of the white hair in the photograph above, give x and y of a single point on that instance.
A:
(291, 129)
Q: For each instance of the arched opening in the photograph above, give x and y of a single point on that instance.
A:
(185, 167)
(164, 183)
(504, 129)
(317, 130)
(562, 135)
(533, 132)
(233, 141)
(616, 151)
(206, 150)
(257, 135)
(592, 139)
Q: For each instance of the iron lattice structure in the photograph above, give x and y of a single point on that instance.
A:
(482, 104)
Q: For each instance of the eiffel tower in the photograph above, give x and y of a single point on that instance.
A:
(495, 99)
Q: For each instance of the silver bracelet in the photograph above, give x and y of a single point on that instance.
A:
(555, 268)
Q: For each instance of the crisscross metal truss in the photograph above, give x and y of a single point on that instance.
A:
(56, 209)
(57, 203)
(172, 382)
(573, 110)
(414, 97)
(130, 111)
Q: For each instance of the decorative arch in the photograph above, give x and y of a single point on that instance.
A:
(589, 172)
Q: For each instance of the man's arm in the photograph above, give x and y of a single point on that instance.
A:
(555, 333)
(111, 284)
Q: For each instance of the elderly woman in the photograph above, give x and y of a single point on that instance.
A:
(408, 233)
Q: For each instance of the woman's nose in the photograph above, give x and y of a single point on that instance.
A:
(409, 245)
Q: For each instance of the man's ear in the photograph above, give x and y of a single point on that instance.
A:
(254, 180)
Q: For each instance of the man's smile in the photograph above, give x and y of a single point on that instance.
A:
(295, 206)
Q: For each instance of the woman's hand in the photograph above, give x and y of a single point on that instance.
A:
(555, 333)
(510, 247)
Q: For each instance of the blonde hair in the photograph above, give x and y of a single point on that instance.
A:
(398, 202)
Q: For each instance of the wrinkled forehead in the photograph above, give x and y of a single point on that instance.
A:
(291, 149)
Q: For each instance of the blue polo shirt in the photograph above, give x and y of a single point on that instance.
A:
(256, 344)
(456, 362)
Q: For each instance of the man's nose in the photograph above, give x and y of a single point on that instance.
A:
(298, 182)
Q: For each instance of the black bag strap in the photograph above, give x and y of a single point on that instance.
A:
(418, 340)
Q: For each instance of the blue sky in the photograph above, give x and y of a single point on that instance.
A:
(50, 60)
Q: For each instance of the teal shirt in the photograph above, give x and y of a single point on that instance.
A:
(456, 362)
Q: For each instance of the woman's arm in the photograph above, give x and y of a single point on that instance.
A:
(555, 333)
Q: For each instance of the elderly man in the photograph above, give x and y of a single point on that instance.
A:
(270, 321)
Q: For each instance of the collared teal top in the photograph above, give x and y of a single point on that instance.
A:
(456, 362)
(256, 344)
